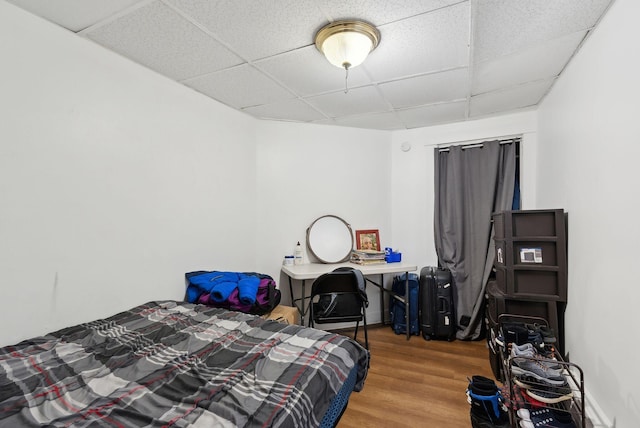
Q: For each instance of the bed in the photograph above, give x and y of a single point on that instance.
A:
(170, 363)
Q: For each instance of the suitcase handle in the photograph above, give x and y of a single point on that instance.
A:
(443, 304)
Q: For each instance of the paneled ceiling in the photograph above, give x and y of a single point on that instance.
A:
(439, 61)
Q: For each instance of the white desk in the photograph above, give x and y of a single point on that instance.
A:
(313, 270)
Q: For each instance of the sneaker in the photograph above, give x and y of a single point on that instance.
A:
(523, 383)
(532, 403)
(528, 350)
(550, 419)
(549, 351)
(526, 414)
(530, 368)
(515, 333)
(543, 393)
(480, 422)
(486, 402)
(482, 385)
(499, 339)
(535, 338)
(551, 394)
(548, 336)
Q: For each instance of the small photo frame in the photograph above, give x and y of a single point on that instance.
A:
(368, 240)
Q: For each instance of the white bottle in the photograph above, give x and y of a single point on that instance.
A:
(297, 254)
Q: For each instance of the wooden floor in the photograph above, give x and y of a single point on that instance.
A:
(416, 383)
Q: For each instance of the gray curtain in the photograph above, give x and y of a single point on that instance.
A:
(470, 184)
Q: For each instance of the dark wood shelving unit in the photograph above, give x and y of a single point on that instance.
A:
(530, 267)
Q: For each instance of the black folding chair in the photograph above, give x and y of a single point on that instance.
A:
(340, 296)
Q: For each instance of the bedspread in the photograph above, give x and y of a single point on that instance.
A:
(177, 364)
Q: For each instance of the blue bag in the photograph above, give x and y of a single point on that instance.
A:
(397, 308)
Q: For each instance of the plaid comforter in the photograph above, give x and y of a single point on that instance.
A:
(176, 364)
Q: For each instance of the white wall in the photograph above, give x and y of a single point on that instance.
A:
(413, 176)
(306, 171)
(588, 164)
(114, 181)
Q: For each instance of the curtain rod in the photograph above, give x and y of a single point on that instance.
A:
(508, 137)
(476, 145)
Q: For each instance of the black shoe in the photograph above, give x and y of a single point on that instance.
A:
(551, 394)
(480, 422)
(487, 404)
(546, 332)
(482, 385)
(515, 333)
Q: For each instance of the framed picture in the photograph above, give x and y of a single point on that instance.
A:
(368, 240)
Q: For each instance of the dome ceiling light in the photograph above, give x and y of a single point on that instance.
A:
(346, 44)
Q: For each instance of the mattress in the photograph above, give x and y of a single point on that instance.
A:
(169, 363)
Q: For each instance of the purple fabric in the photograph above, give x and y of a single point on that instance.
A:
(221, 291)
(262, 296)
(248, 292)
(235, 304)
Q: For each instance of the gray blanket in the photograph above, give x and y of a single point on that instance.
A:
(176, 364)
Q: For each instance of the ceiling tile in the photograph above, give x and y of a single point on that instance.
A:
(539, 62)
(239, 87)
(426, 43)
(379, 12)
(428, 89)
(74, 15)
(502, 27)
(383, 121)
(255, 28)
(259, 56)
(290, 110)
(184, 52)
(307, 72)
(356, 101)
(433, 114)
(510, 99)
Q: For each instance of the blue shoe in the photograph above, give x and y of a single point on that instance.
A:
(545, 418)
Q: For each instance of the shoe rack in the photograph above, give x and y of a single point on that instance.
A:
(572, 402)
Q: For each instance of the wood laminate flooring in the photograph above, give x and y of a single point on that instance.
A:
(415, 383)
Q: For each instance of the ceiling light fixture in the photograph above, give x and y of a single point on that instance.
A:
(346, 44)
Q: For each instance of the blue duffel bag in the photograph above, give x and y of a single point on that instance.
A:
(397, 308)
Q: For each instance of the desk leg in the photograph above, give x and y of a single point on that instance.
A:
(304, 311)
(382, 299)
(301, 309)
(407, 301)
(293, 300)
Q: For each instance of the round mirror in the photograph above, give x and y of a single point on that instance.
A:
(330, 239)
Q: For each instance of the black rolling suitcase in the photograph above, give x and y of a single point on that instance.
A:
(437, 317)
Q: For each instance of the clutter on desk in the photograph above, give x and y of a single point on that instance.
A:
(288, 261)
(297, 255)
(368, 257)
(391, 256)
